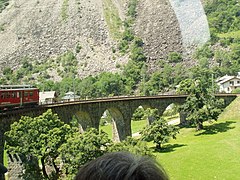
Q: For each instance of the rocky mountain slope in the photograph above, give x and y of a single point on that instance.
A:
(46, 29)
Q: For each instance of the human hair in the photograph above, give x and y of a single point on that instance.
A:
(121, 166)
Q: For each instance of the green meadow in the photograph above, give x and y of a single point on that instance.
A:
(209, 154)
(213, 153)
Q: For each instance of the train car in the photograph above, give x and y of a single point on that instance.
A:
(15, 96)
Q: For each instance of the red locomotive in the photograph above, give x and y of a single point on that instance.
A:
(14, 96)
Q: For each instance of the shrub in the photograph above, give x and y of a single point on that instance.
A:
(174, 57)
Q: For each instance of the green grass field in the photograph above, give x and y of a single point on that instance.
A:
(212, 153)
(209, 154)
(135, 125)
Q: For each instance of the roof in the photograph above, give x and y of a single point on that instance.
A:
(17, 87)
(70, 95)
(47, 95)
(227, 78)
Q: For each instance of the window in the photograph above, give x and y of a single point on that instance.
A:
(2, 95)
(14, 94)
(238, 82)
(231, 82)
(25, 94)
(31, 93)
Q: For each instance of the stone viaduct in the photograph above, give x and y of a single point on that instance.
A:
(89, 112)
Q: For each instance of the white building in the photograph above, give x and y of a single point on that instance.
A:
(47, 97)
(228, 83)
(70, 96)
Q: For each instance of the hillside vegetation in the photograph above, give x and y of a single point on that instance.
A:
(3, 4)
(127, 66)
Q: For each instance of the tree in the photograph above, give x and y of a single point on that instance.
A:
(109, 84)
(138, 114)
(201, 105)
(38, 137)
(82, 148)
(132, 75)
(159, 131)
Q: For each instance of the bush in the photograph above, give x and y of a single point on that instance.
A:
(174, 57)
(138, 114)
(237, 91)
(7, 71)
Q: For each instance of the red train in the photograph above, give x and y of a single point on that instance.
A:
(15, 96)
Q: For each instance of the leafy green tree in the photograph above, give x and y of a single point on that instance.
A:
(160, 132)
(132, 75)
(86, 87)
(123, 46)
(82, 148)
(138, 114)
(204, 74)
(26, 64)
(109, 84)
(204, 51)
(38, 137)
(223, 15)
(48, 85)
(8, 73)
(201, 105)
(161, 81)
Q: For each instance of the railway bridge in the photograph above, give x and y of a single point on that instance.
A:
(89, 112)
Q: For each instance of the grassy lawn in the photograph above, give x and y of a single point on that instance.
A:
(212, 153)
(136, 126)
(107, 129)
(209, 154)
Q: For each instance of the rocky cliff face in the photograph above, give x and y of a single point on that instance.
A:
(45, 29)
(42, 29)
(156, 23)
